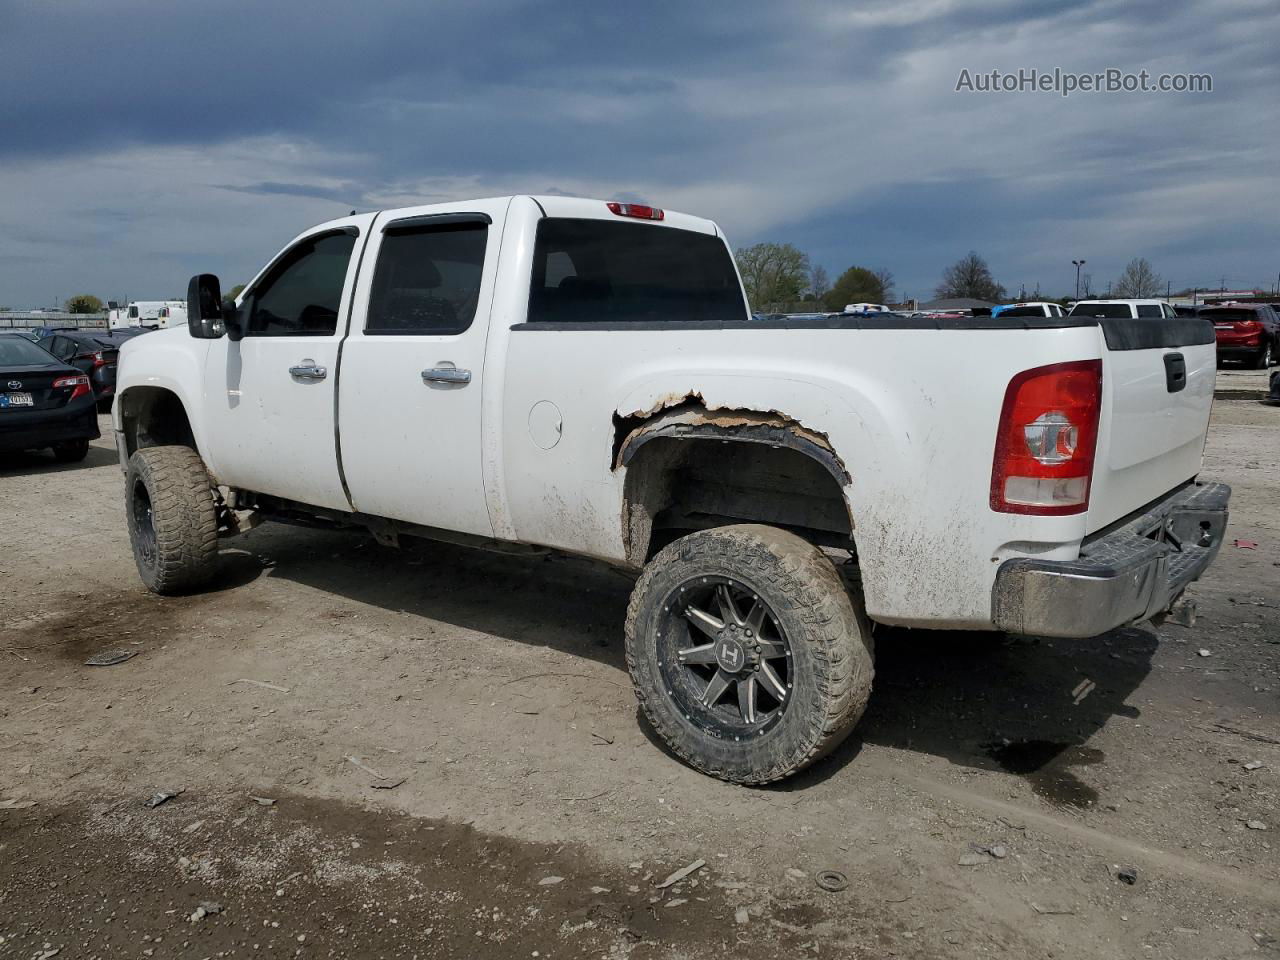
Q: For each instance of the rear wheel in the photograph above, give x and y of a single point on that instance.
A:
(747, 652)
(173, 523)
(73, 451)
(1264, 358)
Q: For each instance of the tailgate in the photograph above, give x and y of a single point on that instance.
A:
(1157, 392)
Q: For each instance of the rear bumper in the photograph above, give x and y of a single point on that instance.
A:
(42, 428)
(1128, 575)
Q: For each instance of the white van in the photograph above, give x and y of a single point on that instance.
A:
(157, 313)
(173, 314)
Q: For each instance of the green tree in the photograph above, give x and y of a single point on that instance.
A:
(1139, 280)
(773, 274)
(235, 291)
(970, 277)
(84, 303)
(855, 285)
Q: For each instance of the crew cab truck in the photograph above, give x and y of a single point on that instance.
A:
(585, 376)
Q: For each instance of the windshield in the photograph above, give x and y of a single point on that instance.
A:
(1103, 311)
(19, 351)
(595, 271)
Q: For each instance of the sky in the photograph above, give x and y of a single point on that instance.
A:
(142, 141)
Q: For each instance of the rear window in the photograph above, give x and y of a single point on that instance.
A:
(19, 351)
(1228, 316)
(594, 271)
(1103, 311)
(1023, 312)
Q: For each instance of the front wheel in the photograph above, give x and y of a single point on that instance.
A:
(173, 523)
(748, 653)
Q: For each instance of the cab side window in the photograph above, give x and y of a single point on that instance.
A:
(428, 279)
(1149, 310)
(302, 294)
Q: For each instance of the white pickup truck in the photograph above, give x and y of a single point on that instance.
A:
(585, 376)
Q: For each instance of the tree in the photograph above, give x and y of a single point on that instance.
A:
(855, 285)
(1139, 280)
(886, 285)
(969, 277)
(773, 273)
(818, 283)
(235, 291)
(84, 303)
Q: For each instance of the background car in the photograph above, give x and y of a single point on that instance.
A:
(1123, 309)
(1029, 308)
(1246, 331)
(43, 402)
(94, 352)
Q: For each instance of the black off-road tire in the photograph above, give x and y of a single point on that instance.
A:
(829, 636)
(173, 524)
(72, 451)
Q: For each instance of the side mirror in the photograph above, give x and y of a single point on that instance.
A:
(204, 307)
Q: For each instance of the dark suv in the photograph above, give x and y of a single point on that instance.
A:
(1246, 331)
(95, 352)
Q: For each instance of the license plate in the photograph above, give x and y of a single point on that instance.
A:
(15, 400)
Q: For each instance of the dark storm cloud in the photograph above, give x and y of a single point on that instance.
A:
(172, 137)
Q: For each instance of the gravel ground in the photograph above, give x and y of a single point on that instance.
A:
(458, 767)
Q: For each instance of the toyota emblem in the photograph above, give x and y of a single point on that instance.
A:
(15, 384)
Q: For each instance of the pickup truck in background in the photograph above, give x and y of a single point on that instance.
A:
(1124, 309)
(585, 376)
(1029, 308)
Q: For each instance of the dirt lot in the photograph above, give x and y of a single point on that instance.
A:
(458, 769)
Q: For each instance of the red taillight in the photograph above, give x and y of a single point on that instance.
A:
(637, 210)
(99, 360)
(1249, 326)
(1047, 437)
(80, 383)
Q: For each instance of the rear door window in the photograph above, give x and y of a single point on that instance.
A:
(303, 292)
(1150, 310)
(596, 271)
(428, 279)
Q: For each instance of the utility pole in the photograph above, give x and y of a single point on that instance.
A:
(1078, 264)
(1168, 289)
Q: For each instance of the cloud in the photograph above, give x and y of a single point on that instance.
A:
(218, 131)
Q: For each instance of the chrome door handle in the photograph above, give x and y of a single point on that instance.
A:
(446, 375)
(307, 370)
